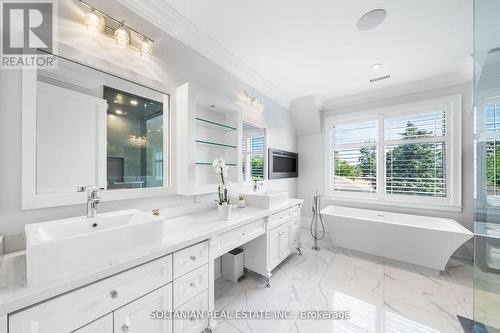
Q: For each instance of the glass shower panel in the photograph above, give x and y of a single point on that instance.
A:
(134, 140)
(487, 165)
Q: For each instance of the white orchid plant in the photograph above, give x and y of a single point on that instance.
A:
(221, 169)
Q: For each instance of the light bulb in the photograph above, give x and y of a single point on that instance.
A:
(121, 38)
(93, 22)
(146, 49)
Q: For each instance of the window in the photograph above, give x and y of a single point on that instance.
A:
(408, 153)
(252, 153)
(415, 154)
(355, 167)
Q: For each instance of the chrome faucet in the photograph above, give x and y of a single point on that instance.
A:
(256, 185)
(92, 201)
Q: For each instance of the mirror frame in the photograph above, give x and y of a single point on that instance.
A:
(32, 200)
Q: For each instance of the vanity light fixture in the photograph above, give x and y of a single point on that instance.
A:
(93, 22)
(244, 98)
(146, 48)
(122, 38)
(97, 21)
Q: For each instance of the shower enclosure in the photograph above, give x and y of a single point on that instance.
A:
(487, 166)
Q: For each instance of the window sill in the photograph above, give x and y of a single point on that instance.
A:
(396, 204)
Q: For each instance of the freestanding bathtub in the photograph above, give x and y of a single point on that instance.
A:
(419, 240)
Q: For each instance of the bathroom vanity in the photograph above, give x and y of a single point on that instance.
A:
(107, 273)
(177, 274)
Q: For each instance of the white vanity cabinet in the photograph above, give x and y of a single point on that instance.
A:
(279, 244)
(102, 325)
(135, 317)
(123, 302)
(282, 236)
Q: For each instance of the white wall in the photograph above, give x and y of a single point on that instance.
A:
(311, 163)
(173, 65)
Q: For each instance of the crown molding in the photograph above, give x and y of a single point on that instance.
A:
(399, 90)
(178, 26)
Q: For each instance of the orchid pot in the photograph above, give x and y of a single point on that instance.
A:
(224, 211)
(224, 204)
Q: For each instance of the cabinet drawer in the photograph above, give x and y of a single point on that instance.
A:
(280, 215)
(295, 223)
(135, 317)
(190, 285)
(241, 235)
(275, 220)
(102, 325)
(193, 325)
(77, 308)
(190, 258)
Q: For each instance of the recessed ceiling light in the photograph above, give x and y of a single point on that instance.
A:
(376, 66)
(133, 102)
(371, 19)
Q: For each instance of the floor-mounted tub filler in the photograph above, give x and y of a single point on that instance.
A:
(419, 240)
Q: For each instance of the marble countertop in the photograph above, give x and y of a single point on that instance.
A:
(179, 232)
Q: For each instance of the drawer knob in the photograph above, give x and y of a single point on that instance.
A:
(192, 284)
(113, 294)
(192, 318)
(193, 258)
(125, 328)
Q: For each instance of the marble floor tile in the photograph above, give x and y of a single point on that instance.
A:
(400, 317)
(225, 327)
(307, 240)
(380, 297)
(265, 299)
(460, 277)
(295, 282)
(338, 326)
(365, 310)
(429, 293)
(226, 291)
(311, 260)
(459, 273)
(354, 274)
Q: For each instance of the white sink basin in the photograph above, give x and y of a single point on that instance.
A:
(68, 248)
(267, 200)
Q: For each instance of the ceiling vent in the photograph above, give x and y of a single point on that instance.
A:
(380, 78)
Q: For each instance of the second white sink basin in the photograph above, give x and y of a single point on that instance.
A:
(68, 248)
(267, 199)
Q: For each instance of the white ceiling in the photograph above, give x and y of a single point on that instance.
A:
(313, 47)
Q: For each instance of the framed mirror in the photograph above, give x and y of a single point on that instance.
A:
(85, 127)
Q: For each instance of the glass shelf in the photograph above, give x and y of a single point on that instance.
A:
(214, 125)
(215, 144)
(210, 163)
